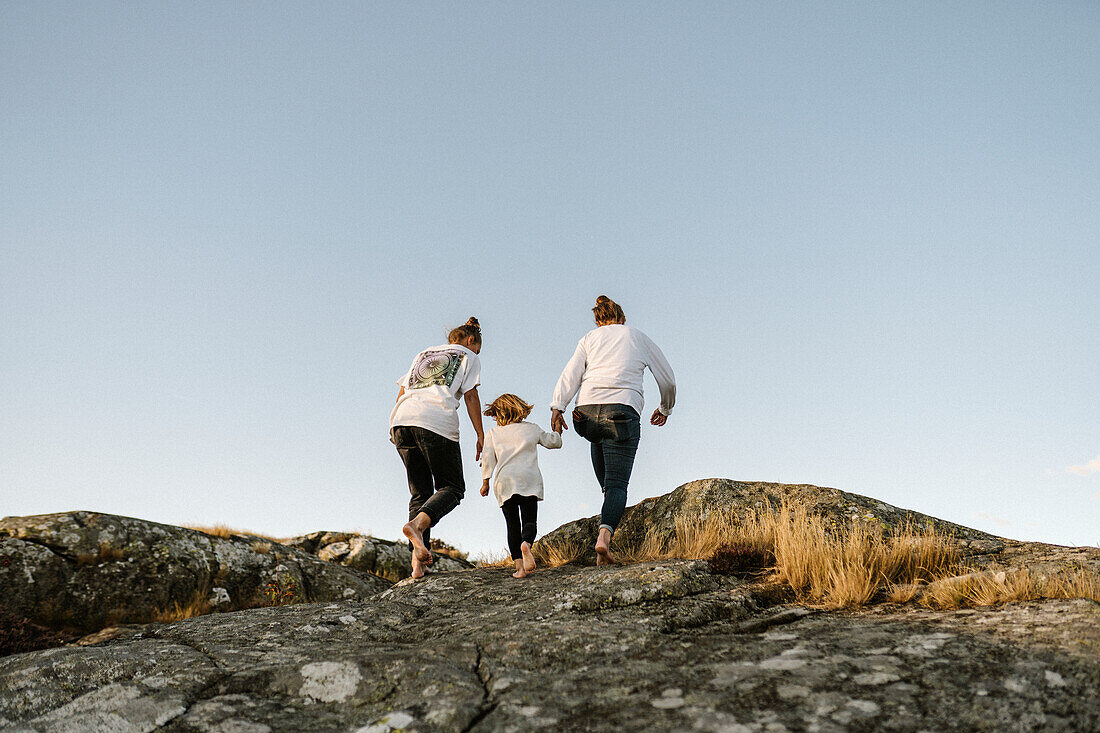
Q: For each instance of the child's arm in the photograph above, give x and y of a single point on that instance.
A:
(550, 440)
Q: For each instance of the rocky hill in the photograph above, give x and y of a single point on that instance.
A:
(651, 646)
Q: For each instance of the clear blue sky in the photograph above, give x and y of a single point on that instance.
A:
(865, 235)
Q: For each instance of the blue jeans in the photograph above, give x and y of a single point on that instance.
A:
(614, 432)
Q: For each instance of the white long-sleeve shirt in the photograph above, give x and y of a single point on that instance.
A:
(512, 451)
(607, 368)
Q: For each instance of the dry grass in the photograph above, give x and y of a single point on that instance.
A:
(440, 547)
(106, 553)
(554, 553)
(838, 567)
(261, 547)
(225, 532)
(991, 588)
(499, 559)
(833, 567)
(199, 605)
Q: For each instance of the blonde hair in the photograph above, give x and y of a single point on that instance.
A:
(608, 311)
(507, 409)
(469, 329)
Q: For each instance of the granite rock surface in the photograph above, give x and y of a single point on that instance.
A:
(91, 570)
(384, 558)
(652, 646)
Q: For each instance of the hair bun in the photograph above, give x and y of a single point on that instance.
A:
(473, 322)
(603, 299)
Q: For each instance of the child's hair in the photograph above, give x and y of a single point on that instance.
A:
(608, 311)
(507, 409)
(470, 328)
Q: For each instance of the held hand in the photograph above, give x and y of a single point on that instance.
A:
(557, 422)
(480, 443)
(658, 419)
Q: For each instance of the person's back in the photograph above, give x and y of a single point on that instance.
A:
(514, 458)
(617, 357)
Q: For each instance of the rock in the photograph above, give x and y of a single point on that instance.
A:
(88, 570)
(652, 646)
(384, 558)
(657, 517)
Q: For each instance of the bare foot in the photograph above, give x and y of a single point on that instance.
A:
(520, 571)
(528, 558)
(420, 552)
(603, 548)
(418, 568)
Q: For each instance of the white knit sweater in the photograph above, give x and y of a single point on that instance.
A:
(512, 452)
(607, 368)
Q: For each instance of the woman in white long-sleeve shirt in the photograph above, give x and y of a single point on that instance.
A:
(511, 451)
(605, 375)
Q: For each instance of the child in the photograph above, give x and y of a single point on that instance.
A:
(511, 450)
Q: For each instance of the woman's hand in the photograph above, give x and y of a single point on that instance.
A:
(485, 488)
(658, 419)
(557, 422)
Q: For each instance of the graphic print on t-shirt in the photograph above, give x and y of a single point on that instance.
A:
(435, 368)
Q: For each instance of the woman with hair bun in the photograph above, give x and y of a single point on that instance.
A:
(605, 375)
(424, 427)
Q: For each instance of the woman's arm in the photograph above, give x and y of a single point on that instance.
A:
(567, 387)
(666, 382)
(473, 406)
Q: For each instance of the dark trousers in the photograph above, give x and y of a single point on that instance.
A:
(521, 518)
(614, 432)
(434, 466)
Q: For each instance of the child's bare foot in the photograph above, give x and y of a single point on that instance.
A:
(603, 547)
(528, 558)
(521, 572)
(414, 535)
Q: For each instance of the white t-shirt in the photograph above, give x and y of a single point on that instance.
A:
(607, 369)
(434, 385)
(512, 450)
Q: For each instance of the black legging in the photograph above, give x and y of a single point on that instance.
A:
(520, 530)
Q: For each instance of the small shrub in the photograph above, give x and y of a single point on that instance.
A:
(739, 559)
(281, 591)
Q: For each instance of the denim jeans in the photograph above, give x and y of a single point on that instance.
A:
(614, 432)
(434, 467)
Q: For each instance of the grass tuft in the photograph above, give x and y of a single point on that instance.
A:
(554, 553)
(838, 567)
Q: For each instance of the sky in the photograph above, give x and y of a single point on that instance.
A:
(865, 235)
